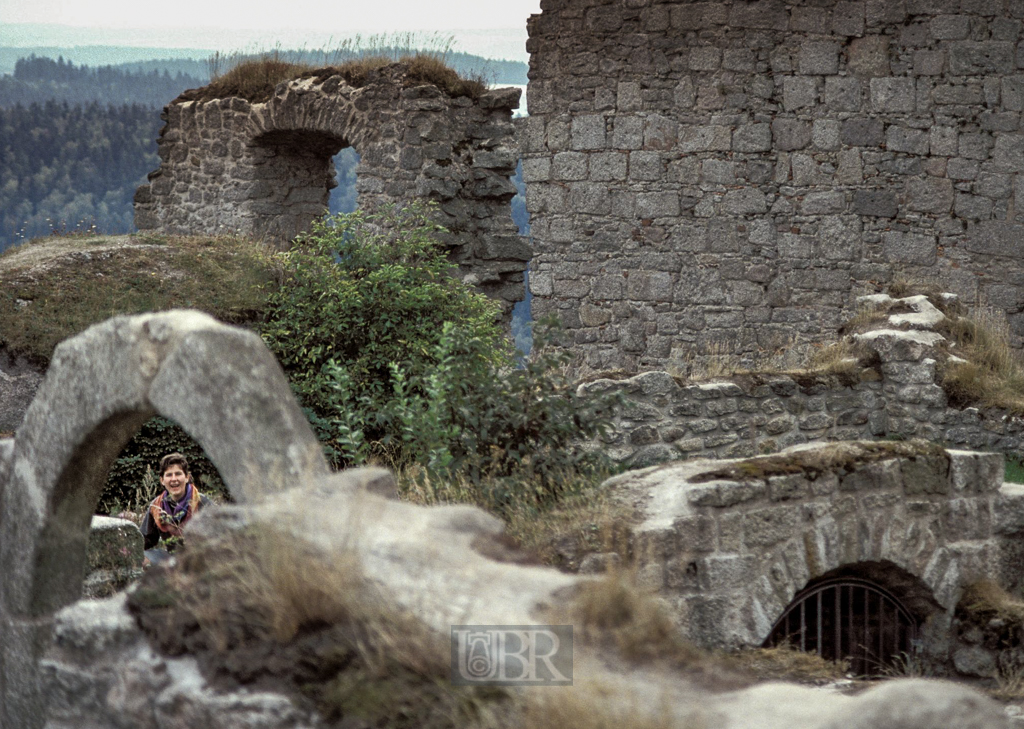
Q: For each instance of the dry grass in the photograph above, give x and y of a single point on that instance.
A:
(254, 78)
(614, 612)
(985, 600)
(46, 298)
(993, 374)
(786, 663)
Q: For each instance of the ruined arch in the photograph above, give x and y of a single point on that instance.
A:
(264, 168)
(219, 383)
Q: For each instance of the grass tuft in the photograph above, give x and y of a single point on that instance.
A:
(993, 373)
(786, 663)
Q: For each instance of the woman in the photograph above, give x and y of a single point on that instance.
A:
(169, 512)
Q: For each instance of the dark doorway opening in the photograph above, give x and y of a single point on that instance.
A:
(852, 619)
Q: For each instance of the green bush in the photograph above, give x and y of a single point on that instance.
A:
(394, 359)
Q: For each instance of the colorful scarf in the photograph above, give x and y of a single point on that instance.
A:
(171, 517)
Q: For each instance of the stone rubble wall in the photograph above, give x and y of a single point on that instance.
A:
(729, 556)
(664, 419)
(265, 169)
(730, 175)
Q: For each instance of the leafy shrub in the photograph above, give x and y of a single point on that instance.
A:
(396, 360)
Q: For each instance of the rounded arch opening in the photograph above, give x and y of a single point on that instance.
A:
(868, 614)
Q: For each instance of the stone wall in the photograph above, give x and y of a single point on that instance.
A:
(732, 174)
(899, 396)
(264, 169)
(729, 553)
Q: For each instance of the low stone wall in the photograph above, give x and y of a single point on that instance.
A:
(728, 553)
(114, 556)
(666, 419)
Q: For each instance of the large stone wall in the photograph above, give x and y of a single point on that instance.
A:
(265, 169)
(730, 175)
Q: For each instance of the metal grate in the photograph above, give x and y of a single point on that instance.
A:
(848, 619)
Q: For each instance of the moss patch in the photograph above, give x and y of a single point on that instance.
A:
(53, 288)
(832, 458)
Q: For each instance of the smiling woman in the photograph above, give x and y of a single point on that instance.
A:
(169, 512)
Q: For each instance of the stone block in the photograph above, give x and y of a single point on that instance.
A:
(763, 14)
(810, 20)
(848, 18)
(713, 138)
(943, 141)
(903, 139)
(799, 92)
(879, 203)
(925, 475)
(719, 172)
(973, 472)
(745, 201)
(771, 526)
(628, 132)
(791, 134)
(823, 203)
(752, 138)
(722, 494)
(1008, 154)
(950, 27)
(588, 132)
(893, 94)
(661, 132)
(962, 169)
(825, 134)
(608, 166)
(655, 205)
(876, 476)
(645, 165)
(114, 544)
(862, 132)
(982, 58)
(929, 63)
(818, 58)
(843, 93)
(650, 286)
(930, 195)
(569, 166)
(996, 238)
(868, 57)
(705, 58)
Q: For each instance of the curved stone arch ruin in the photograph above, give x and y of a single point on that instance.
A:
(729, 556)
(265, 169)
(218, 382)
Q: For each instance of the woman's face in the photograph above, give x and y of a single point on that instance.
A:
(175, 481)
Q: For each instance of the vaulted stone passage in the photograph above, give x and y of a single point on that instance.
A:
(732, 545)
(845, 615)
(264, 169)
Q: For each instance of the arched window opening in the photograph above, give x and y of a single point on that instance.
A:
(343, 194)
(849, 618)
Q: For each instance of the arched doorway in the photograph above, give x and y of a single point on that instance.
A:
(848, 618)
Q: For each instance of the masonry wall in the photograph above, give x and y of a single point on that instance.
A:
(729, 176)
(265, 169)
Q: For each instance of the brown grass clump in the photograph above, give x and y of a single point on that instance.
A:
(786, 663)
(590, 706)
(254, 79)
(53, 288)
(262, 608)
(614, 612)
(993, 373)
(985, 600)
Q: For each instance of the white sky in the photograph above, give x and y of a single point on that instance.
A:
(344, 15)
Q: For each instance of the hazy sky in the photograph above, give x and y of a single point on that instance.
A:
(363, 15)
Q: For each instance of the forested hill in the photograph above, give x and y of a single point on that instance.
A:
(66, 166)
(37, 80)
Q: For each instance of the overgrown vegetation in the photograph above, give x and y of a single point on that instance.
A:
(254, 78)
(991, 373)
(55, 288)
(395, 360)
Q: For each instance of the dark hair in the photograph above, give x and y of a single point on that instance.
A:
(173, 459)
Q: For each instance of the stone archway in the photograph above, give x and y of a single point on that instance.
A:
(264, 168)
(219, 383)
